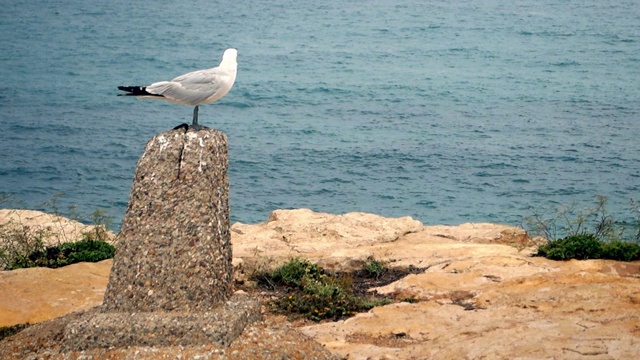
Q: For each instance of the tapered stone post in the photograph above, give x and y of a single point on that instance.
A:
(174, 251)
(171, 278)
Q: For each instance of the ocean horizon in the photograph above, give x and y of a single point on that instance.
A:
(448, 112)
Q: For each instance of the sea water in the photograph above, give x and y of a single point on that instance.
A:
(446, 111)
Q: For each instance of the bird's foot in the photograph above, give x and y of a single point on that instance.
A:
(184, 126)
(197, 127)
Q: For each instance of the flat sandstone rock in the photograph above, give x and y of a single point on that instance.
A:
(56, 229)
(481, 294)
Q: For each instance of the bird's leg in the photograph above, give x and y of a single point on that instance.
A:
(194, 124)
(195, 117)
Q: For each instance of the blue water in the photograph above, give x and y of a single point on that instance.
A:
(447, 111)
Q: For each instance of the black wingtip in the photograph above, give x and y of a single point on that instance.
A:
(134, 90)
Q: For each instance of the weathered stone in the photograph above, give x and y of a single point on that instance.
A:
(174, 251)
(219, 326)
(38, 294)
(171, 278)
(263, 340)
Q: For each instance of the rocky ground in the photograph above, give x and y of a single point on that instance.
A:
(53, 229)
(480, 294)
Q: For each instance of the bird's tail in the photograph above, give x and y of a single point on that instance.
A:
(135, 91)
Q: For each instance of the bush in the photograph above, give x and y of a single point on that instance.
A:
(315, 293)
(323, 300)
(620, 250)
(71, 253)
(588, 246)
(294, 272)
(570, 221)
(581, 247)
(23, 246)
(17, 242)
(373, 268)
(591, 234)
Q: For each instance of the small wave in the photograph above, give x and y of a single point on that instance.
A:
(385, 197)
(565, 63)
(336, 180)
(568, 158)
(427, 203)
(569, 191)
(546, 33)
(483, 174)
(239, 105)
(500, 165)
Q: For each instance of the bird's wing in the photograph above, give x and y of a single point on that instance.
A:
(192, 88)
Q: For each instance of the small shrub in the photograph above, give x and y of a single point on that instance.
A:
(315, 293)
(621, 250)
(590, 234)
(568, 221)
(102, 223)
(17, 241)
(71, 253)
(581, 247)
(22, 246)
(588, 246)
(373, 268)
(294, 272)
(326, 299)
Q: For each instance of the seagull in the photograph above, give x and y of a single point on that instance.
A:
(194, 88)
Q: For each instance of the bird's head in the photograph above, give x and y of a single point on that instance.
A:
(230, 56)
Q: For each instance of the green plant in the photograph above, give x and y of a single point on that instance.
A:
(101, 224)
(373, 268)
(294, 272)
(21, 247)
(588, 246)
(567, 220)
(17, 242)
(315, 293)
(621, 250)
(71, 253)
(590, 234)
(581, 247)
(324, 299)
(26, 246)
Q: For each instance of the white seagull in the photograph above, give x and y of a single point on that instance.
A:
(194, 88)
